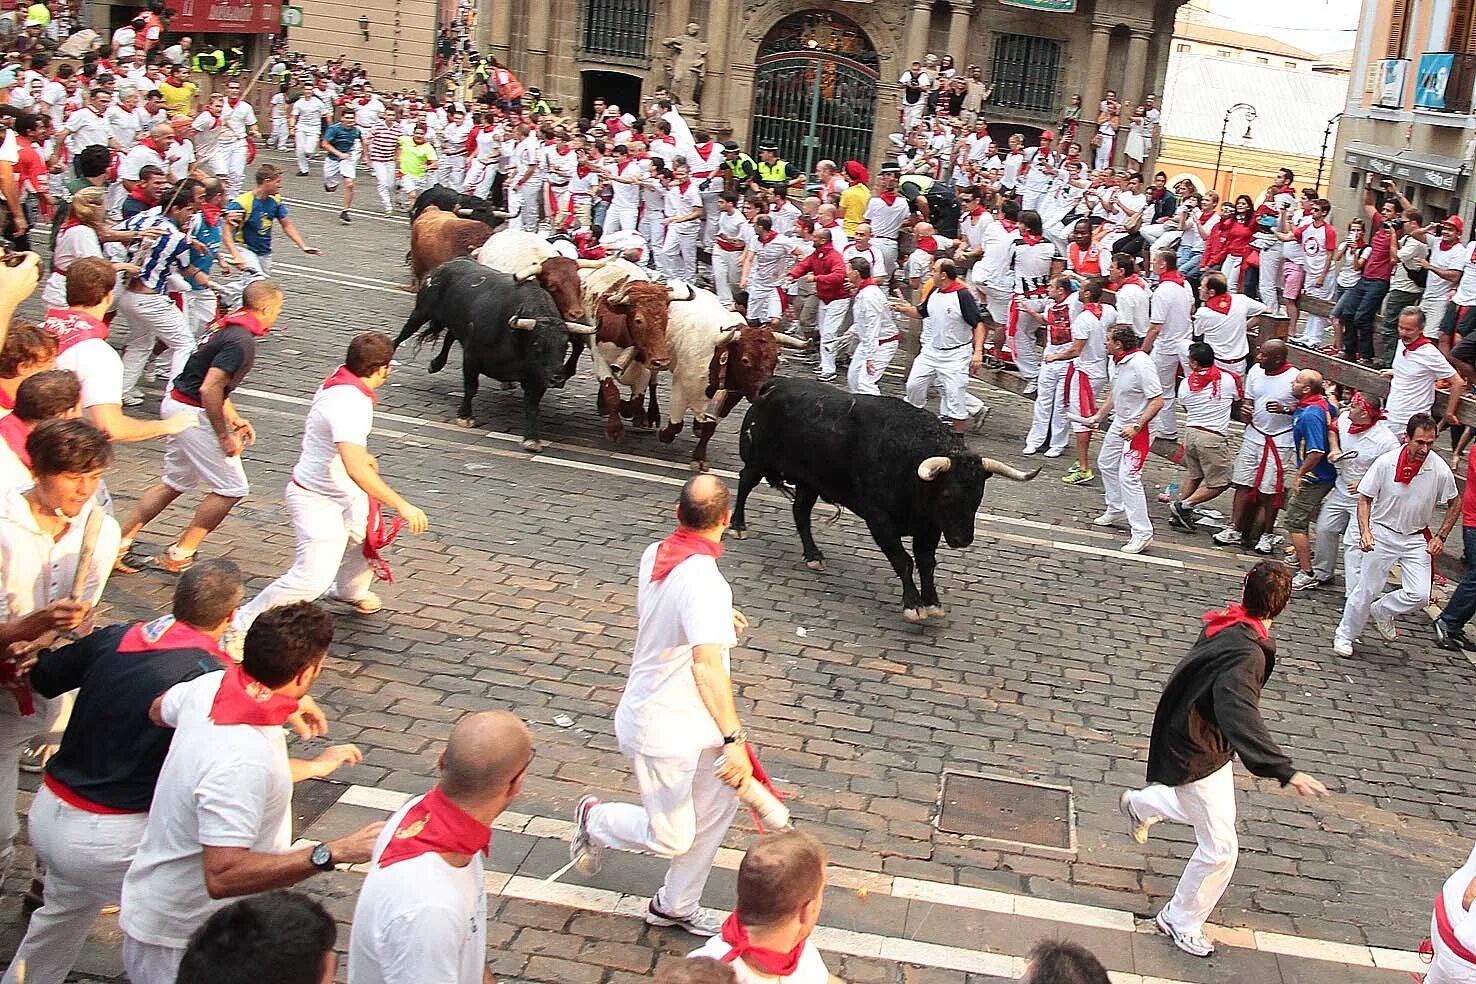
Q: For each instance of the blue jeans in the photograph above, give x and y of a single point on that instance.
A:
(1462, 603)
(1359, 305)
(1189, 260)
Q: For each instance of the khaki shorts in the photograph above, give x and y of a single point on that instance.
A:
(1207, 457)
(1302, 511)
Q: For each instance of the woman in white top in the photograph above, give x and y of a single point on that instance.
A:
(82, 234)
(1136, 147)
(1348, 262)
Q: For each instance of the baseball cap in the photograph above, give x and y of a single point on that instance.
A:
(1047, 135)
(1455, 223)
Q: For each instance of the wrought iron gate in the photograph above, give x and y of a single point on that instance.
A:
(815, 90)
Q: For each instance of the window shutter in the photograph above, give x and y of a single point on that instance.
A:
(1460, 27)
(1398, 25)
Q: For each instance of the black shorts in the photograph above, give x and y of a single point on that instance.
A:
(1458, 321)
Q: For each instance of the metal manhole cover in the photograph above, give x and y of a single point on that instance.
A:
(1010, 811)
(311, 799)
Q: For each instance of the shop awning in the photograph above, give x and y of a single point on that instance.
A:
(226, 17)
(1431, 170)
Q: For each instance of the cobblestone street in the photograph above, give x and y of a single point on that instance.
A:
(1047, 668)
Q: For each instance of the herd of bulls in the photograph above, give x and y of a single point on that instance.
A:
(524, 313)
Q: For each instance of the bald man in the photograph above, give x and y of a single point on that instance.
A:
(422, 912)
(1312, 441)
(677, 719)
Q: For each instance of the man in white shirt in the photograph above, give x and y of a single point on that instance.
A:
(952, 348)
(308, 114)
(1447, 256)
(1170, 330)
(1416, 369)
(681, 221)
(729, 241)
(765, 261)
(44, 396)
(1307, 267)
(333, 486)
(1208, 393)
(1032, 258)
(1133, 399)
(1361, 429)
(86, 128)
(873, 328)
(238, 120)
(1261, 465)
(1397, 500)
(885, 213)
(122, 119)
(422, 910)
(677, 720)
(1222, 319)
(914, 96)
(220, 825)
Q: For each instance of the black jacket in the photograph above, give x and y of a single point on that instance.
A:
(1210, 710)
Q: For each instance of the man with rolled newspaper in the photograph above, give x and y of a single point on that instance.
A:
(677, 719)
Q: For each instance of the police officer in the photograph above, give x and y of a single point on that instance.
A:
(537, 105)
(775, 174)
(738, 168)
(933, 200)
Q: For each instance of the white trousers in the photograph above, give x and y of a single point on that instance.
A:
(1369, 598)
(725, 271)
(678, 255)
(1339, 511)
(230, 164)
(85, 856)
(1170, 361)
(1316, 326)
(149, 963)
(950, 370)
(626, 218)
(329, 535)
(684, 813)
(530, 202)
(887, 250)
(200, 309)
(278, 138)
(1026, 348)
(1122, 481)
(308, 138)
(1208, 805)
(861, 380)
(832, 318)
(16, 733)
(151, 318)
(479, 177)
(384, 181)
(1049, 419)
(1271, 258)
(451, 172)
(1232, 267)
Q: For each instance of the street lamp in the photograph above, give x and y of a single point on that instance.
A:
(1250, 115)
(1322, 158)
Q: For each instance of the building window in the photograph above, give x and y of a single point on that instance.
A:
(1398, 29)
(1027, 72)
(1462, 37)
(617, 29)
(1263, 61)
(1181, 48)
(1291, 64)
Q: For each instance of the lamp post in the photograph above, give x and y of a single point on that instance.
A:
(1250, 115)
(1322, 158)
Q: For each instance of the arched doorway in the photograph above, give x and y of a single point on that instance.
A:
(815, 89)
(616, 88)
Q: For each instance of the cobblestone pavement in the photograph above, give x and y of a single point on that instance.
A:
(1046, 668)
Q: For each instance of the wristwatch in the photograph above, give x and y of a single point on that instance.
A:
(322, 857)
(738, 737)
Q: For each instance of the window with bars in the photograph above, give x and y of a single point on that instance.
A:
(617, 29)
(1027, 71)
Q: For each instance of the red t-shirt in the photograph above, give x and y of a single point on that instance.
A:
(30, 169)
(1468, 497)
(1378, 266)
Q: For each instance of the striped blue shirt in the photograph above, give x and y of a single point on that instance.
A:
(157, 259)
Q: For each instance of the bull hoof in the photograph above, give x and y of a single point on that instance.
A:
(533, 447)
(935, 611)
(437, 364)
(465, 422)
(738, 534)
(818, 564)
(915, 615)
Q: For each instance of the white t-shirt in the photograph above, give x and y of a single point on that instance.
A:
(660, 712)
(1092, 329)
(1170, 307)
(1407, 508)
(309, 110)
(221, 786)
(811, 969)
(13, 472)
(886, 220)
(1225, 332)
(124, 39)
(1438, 288)
(1370, 445)
(338, 415)
(87, 129)
(1262, 389)
(98, 368)
(1465, 292)
(1316, 247)
(1207, 411)
(1133, 303)
(1134, 384)
(237, 120)
(1413, 388)
(420, 920)
(135, 159)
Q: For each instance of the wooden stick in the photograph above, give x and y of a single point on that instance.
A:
(84, 554)
(255, 78)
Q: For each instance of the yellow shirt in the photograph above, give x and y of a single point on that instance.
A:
(38, 13)
(853, 206)
(178, 99)
(415, 158)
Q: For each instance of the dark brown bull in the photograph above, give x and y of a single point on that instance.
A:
(631, 318)
(437, 236)
(558, 275)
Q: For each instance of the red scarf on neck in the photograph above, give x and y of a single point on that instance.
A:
(1407, 468)
(342, 377)
(1215, 622)
(14, 432)
(928, 244)
(770, 963)
(950, 287)
(887, 197)
(1095, 310)
(1220, 303)
(1200, 378)
(1030, 238)
(1133, 281)
(243, 317)
(435, 825)
(682, 543)
(242, 700)
(211, 214)
(1420, 342)
(1171, 277)
(1373, 418)
(1284, 367)
(70, 327)
(1117, 359)
(139, 194)
(168, 632)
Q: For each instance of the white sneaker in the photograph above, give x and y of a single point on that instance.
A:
(1028, 450)
(703, 922)
(133, 397)
(1137, 544)
(1029, 390)
(588, 856)
(1342, 647)
(1191, 943)
(1137, 829)
(1054, 452)
(1386, 628)
(1304, 581)
(1109, 518)
(1228, 537)
(367, 605)
(1267, 543)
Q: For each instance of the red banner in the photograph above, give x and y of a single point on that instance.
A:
(226, 17)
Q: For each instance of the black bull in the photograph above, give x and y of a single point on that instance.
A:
(508, 331)
(899, 468)
(458, 204)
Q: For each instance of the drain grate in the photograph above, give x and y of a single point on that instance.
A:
(1009, 811)
(311, 799)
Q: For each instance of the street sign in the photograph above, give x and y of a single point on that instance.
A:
(291, 16)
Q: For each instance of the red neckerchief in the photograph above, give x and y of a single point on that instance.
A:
(1220, 303)
(1171, 277)
(868, 282)
(1420, 342)
(762, 960)
(169, 633)
(1214, 622)
(14, 432)
(1359, 400)
(342, 377)
(139, 194)
(1117, 359)
(149, 143)
(435, 825)
(1133, 281)
(1009, 226)
(1200, 378)
(377, 535)
(242, 700)
(887, 197)
(767, 239)
(704, 149)
(666, 139)
(1030, 238)
(211, 214)
(682, 188)
(1095, 310)
(232, 103)
(928, 244)
(951, 287)
(1407, 468)
(677, 547)
(977, 211)
(70, 327)
(241, 316)
(1284, 367)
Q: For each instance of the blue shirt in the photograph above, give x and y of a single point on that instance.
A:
(170, 252)
(1310, 434)
(255, 229)
(211, 236)
(342, 138)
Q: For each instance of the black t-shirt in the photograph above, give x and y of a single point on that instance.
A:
(231, 349)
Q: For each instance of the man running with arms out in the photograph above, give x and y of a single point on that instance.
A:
(1210, 712)
(342, 145)
(677, 719)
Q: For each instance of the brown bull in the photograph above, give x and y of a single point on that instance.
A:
(437, 236)
(631, 319)
(558, 275)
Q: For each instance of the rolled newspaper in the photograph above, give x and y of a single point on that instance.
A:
(85, 552)
(765, 805)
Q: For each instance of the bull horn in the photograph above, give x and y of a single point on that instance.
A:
(993, 467)
(789, 341)
(465, 213)
(591, 264)
(522, 324)
(726, 338)
(620, 293)
(496, 214)
(931, 468)
(575, 328)
(691, 293)
(528, 272)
